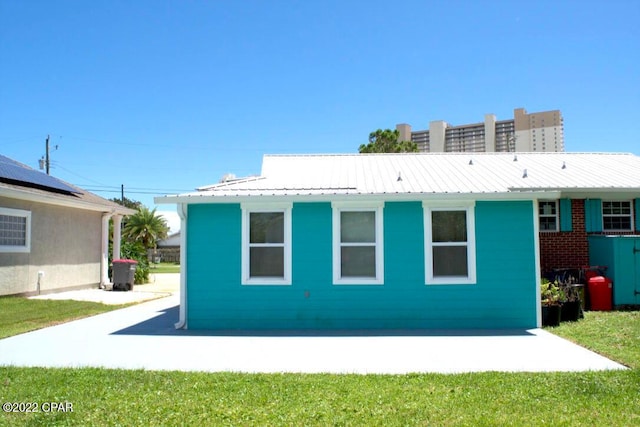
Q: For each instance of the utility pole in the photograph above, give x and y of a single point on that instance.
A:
(46, 161)
(122, 193)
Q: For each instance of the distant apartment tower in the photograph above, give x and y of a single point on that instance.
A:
(532, 132)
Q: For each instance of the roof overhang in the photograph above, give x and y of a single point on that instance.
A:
(195, 198)
(58, 200)
(607, 193)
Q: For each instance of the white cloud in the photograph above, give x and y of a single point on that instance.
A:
(172, 218)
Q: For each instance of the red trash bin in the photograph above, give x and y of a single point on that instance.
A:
(600, 293)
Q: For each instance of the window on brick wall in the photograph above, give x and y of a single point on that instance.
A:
(548, 214)
(617, 216)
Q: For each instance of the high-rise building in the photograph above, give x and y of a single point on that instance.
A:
(526, 132)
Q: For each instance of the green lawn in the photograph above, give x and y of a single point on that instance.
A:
(164, 267)
(18, 315)
(120, 397)
(615, 334)
(141, 398)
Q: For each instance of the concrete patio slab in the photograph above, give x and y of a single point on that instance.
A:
(143, 337)
(160, 286)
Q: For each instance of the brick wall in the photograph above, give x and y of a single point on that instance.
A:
(568, 249)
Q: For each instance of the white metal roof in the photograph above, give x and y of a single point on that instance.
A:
(431, 174)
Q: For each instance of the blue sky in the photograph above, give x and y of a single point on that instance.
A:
(165, 96)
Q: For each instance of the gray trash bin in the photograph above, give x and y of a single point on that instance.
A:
(124, 273)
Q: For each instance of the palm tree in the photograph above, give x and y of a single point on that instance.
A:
(145, 227)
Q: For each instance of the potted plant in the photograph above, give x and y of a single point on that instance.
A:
(551, 297)
(572, 304)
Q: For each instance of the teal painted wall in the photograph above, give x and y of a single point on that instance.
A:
(213, 260)
(621, 254)
(503, 297)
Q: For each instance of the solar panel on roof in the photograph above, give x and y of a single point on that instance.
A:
(12, 171)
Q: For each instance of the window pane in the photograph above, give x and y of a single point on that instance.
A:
(266, 262)
(617, 222)
(616, 208)
(450, 261)
(547, 208)
(548, 223)
(358, 261)
(266, 227)
(357, 227)
(13, 230)
(449, 226)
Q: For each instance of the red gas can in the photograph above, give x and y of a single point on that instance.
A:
(600, 293)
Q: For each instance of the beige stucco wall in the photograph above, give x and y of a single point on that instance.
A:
(65, 246)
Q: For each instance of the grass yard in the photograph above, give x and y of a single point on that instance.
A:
(164, 267)
(19, 315)
(613, 334)
(140, 398)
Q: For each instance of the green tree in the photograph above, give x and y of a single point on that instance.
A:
(386, 141)
(145, 227)
(127, 203)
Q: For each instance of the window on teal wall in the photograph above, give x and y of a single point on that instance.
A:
(617, 216)
(357, 244)
(548, 214)
(266, 245)
(449, 243)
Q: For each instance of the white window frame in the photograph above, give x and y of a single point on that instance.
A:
(469, 208)
(556, 216)
(377, 208)
(249, 208)
(631, 216)
(26, 248)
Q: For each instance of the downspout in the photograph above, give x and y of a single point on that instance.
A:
(104, 261)
(536, 233)
(182, 213)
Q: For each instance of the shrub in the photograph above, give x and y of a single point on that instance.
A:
(137, 251)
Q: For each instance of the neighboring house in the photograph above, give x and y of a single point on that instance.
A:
(168, 249)
(53, 236)
(172, 241)
(388, 241)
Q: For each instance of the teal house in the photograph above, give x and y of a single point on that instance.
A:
(380, 241)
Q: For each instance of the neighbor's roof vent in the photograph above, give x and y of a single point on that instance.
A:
(228, 177)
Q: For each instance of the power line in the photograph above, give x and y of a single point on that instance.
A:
(138, 144)
(118, 191)
(56, 165)
(117, 187)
